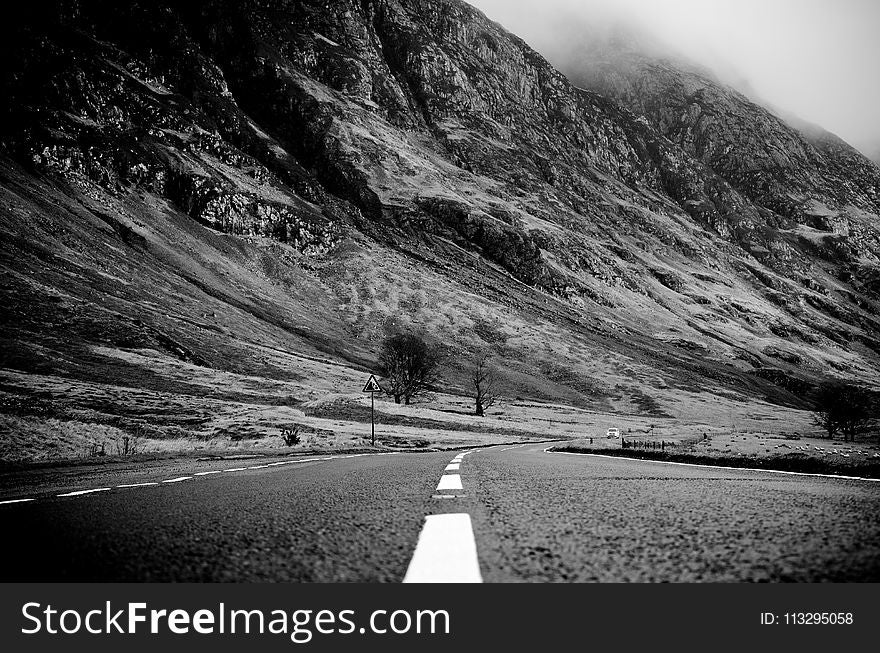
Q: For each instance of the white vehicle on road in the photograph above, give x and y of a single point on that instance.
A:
(613, 433)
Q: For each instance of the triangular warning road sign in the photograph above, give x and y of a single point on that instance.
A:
(372, 385)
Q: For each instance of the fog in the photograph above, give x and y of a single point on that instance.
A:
(816, 59)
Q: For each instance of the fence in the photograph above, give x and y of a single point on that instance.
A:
(646, 445)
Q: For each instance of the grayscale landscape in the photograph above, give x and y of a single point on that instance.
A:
(216, 216)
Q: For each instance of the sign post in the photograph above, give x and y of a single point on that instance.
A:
(372, 386)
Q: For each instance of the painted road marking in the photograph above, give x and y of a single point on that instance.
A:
(445, 496)
(446, 552)
(79, 492)
(736, 469)
(218, 471)
(293, 462)
(449, 482)
(451, 467)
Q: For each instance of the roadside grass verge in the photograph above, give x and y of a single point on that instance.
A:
(790, 462)
(354, 411)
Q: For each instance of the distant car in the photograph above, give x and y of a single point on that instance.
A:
(613, 433)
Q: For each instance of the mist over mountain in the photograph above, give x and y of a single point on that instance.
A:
(226, 205)
(625, 67)
(814, 59)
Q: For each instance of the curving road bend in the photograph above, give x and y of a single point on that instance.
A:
(511, 514)
(557, 517)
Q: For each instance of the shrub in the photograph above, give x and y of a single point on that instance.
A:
(291, 436)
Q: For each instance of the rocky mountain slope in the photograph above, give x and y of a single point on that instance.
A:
(232, 202)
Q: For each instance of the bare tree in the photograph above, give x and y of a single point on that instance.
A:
(843, 408)
(485, 385)
(408, 366)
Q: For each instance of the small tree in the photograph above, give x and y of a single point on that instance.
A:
(408, 366)
(843, 408)
(484, 382)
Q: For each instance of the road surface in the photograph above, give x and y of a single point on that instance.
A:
(502, 514)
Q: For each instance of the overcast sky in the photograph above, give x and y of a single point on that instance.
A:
(819, 59)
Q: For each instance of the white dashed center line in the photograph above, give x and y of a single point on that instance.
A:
(79, 492)
(235, 469)
(137, 484)
(449, 482)
(178, 479)
(213, 471)
(446, 552)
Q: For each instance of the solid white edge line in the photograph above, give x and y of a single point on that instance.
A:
(77, 493)
(8, 501)
(450, 482)
(736, 469)
(446, 552)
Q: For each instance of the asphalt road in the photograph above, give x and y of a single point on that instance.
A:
(535, 517)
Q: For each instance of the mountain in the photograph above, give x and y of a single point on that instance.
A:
(212, 212)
